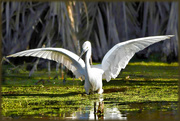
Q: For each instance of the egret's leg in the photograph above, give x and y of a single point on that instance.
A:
(100, 91)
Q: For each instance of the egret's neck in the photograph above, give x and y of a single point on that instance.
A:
(87, 60)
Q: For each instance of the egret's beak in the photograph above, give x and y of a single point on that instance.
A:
(81, 54)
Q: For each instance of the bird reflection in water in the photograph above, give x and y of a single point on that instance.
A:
(99, 111)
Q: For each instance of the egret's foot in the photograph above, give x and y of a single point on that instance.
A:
(100, 91)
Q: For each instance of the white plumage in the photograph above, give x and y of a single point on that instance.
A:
(116, 59)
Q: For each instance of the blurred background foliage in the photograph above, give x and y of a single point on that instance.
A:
(28, 25)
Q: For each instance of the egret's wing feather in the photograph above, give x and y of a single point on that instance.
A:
(60, 55)
(118, 57)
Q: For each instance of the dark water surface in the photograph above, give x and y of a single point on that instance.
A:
(141, 111)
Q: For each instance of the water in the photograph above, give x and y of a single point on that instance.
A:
(109, 105)
(104, 109)
(101, 110)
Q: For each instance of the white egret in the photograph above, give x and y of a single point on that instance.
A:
(115, 59)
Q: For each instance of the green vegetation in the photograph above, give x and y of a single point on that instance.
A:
(140, 87)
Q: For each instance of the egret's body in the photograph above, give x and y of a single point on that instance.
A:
(116, 59)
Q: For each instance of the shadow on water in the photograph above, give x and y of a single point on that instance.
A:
(48, 95)
(141, 83)
(114, 90)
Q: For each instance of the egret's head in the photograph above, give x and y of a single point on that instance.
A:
(85, 47)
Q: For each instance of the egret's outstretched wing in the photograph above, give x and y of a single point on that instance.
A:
(60, 55)
(118, 57)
